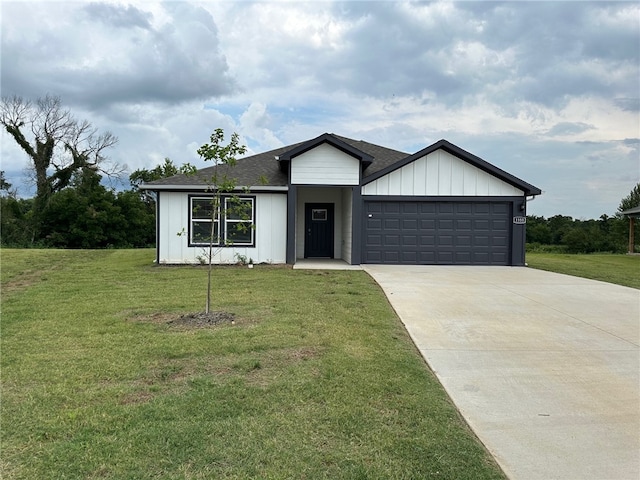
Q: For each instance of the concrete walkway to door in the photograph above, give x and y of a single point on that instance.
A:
(544, 367)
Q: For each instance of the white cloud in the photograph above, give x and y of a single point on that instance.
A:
(545, 90)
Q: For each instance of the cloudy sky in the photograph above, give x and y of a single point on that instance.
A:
(548, 91)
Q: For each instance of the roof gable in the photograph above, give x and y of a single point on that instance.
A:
(458, 152)
(330, 139)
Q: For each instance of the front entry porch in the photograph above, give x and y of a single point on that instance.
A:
(322, 220)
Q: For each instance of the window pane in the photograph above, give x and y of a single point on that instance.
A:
(201, 231)
(201, 208)
(239, 209)
(319, 214)
(239, 232)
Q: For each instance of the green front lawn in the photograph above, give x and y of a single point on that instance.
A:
(618, 269)
(316, 379)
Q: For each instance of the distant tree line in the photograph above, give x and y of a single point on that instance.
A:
(72, 209)
(565, 234)
(85, 214)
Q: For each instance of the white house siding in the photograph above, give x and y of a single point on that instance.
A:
(319, 195)
(347, 221)
(440, 174)
(270, 232)
(325, 165)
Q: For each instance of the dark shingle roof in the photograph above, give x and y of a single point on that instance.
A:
(376, 160)
(249, 170)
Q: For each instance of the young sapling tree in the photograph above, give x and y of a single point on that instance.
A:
(222, 186)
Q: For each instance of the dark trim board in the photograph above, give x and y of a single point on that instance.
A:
(157, 227)
(356, 230)
(292, 200)
(431, 198)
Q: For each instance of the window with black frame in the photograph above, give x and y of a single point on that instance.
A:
(235, 227)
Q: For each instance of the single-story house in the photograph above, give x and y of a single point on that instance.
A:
(334, 197)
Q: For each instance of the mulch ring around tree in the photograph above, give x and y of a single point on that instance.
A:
(202, 319)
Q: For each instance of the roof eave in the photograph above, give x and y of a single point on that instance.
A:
(332, 140)
(203, 187)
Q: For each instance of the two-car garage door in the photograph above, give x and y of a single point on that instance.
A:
(437, 233)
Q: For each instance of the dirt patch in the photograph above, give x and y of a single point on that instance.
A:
(22, 281)
(188, 320)
(203, 320)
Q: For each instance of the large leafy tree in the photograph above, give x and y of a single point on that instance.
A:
(57, 144)
(88, 215)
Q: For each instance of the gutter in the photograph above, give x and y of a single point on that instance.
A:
(256, 188)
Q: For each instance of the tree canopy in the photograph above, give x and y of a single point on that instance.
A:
(630, 201)
(57, 144)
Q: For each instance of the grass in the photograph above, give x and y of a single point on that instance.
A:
(619, 269)
(317, 378)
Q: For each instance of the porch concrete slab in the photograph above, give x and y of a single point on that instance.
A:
(544, 367)
(324, 264)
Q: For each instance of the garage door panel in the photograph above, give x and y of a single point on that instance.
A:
(463, 224)
(445, 224)
(391, 257)
(427, 224)
(479, 225)
(410, 241)
(481, 241)
(445, 240)
(391, 207)
(409, 208)
(463, 208)
(410, 257)
(499, 241)
(482, 209)
(427, 207)
(462, 258)
(444, 207)
(464, 241)
(427, 240)
(391, 240)
(374, 240)
(410, 224)
(452, 233)
(391, 224)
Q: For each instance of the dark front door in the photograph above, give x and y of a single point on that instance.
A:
(318, 226)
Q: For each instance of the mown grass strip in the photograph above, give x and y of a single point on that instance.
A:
(619, 269)
(317, 378)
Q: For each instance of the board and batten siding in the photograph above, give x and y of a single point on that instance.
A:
(325, 165)
(440, 174)
(270, 231)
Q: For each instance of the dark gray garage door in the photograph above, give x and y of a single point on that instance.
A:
(437, 233)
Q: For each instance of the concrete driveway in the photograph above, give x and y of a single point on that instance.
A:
(544, 367)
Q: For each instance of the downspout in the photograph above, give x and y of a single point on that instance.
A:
(524, 205)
